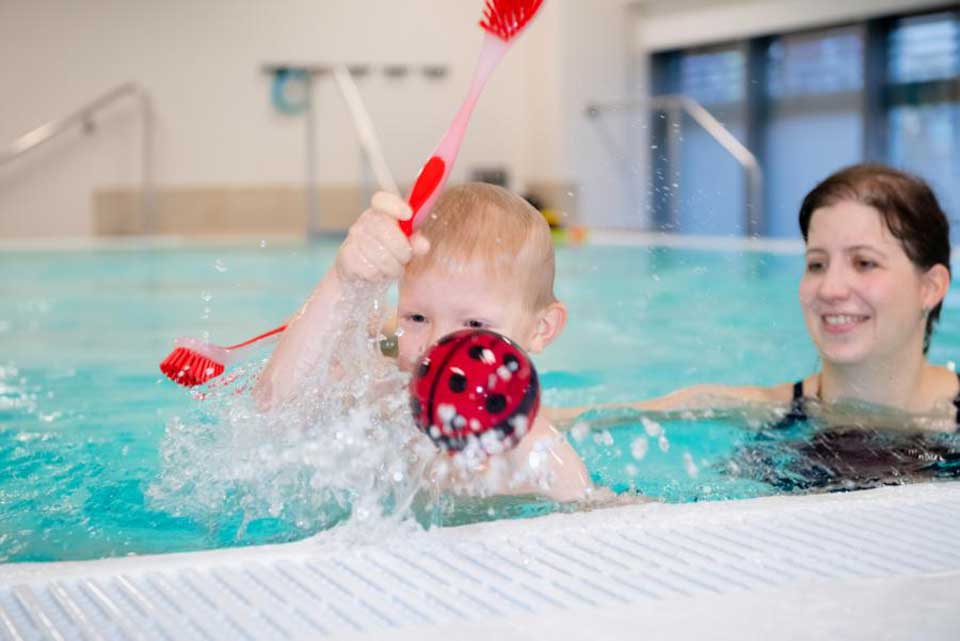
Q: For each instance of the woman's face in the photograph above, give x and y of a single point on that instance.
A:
(862, 297)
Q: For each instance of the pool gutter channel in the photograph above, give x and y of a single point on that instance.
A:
(890, 555)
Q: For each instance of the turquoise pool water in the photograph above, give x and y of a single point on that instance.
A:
(84, 409)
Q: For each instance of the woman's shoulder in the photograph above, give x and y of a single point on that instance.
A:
(942, 384)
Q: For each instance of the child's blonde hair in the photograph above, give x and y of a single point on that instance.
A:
(489, 223)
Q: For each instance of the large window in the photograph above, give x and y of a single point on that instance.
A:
(924, 97)
(814, 124)
(699, 170)
(808, 104)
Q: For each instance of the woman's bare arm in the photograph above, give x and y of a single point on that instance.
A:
(697, 397)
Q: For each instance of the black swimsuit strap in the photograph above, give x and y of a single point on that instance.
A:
(797, 411)
(956, 404)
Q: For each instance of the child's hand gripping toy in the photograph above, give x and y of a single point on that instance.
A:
(475, 389)
(194, 362)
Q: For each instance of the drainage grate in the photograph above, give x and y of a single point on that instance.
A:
(560, 563)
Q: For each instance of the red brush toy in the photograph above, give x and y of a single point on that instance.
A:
(194, 362)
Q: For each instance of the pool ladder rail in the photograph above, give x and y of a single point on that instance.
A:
(83, 118)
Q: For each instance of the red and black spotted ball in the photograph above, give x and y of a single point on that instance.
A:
(475, 388)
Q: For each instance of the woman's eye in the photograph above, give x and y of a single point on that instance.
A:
(814, 266)
(416, 318)
(864, 264)
(475, 324)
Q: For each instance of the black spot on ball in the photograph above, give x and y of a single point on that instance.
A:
(424, 369)
(476, 352)
(512, 362)
(458, 383)
(496, 403)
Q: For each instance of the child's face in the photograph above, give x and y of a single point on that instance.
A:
(439, 301)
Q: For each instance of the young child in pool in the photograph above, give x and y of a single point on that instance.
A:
(483, 259)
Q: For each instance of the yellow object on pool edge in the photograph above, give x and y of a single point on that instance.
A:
(562, 235)
(573, 235)
(552, 217)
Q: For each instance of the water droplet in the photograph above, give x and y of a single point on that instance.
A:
(639, 448)
(603, 438)
(263, 244)
(579, 431)
(651, 427)
(220, 266)
(692, 470)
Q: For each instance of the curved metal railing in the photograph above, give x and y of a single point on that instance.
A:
(83, 117)
(675, 106)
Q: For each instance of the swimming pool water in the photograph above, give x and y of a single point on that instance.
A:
(84, 409)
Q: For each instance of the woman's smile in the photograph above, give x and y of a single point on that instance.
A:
(842, 324)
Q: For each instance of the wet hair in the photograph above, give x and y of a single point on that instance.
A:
(478, 221)
(908, 207)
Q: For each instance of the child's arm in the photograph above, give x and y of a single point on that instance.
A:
(375, 251)
(545, 463)
(542, 464)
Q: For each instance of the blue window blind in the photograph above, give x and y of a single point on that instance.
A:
(713, 77)
(824, 63)
(815, 124)
(708, 181)
(924, 48)
(924, 118)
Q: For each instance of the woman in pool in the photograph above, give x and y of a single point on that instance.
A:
(877, 270)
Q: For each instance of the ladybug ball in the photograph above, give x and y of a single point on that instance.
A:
(475, 388)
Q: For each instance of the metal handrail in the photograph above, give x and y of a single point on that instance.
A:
(678, 104)
(83, 117)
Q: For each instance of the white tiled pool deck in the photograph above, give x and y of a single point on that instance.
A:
(881, 564)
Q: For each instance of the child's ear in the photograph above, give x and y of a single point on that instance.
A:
(550, 322)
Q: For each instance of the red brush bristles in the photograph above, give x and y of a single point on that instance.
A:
(188, 368)
(506, 18)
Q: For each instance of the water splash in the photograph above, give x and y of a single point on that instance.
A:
(343, 451)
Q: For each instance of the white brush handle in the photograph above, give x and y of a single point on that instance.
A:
(364, 127)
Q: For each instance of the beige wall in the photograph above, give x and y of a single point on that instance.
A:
(200, 62)
(216, 130)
